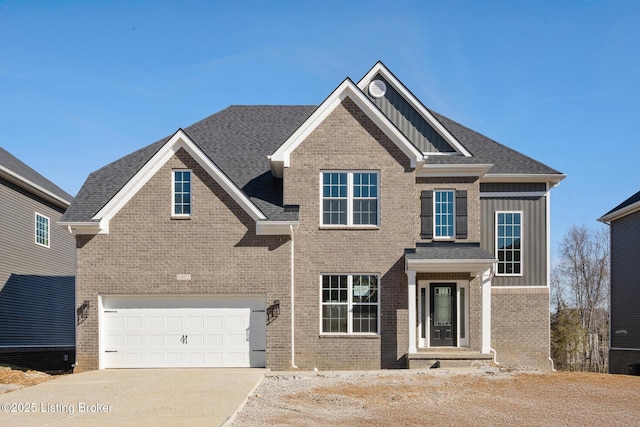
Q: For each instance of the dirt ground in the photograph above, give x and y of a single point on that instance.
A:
(445, 399)
(13, 379)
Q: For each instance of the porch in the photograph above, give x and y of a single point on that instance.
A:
(448, 357)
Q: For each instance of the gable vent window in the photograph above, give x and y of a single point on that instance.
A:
(42, 230)
(443, 214)
(181, 193)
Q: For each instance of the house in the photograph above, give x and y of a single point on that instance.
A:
(37, 270)
(624, 297)
(367, 232)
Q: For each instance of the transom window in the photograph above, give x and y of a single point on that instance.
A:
(444, 216)
(42, 230)
(509, 243)
(182, 193)
(350, 198)
(350, 304)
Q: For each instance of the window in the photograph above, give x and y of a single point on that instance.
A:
(509, 243)
(42, 230)
(350, 198)
(350, 304)
(443, 214)
(182, 193)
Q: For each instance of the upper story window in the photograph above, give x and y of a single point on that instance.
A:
(444, 218)
(350, 304)
(509, 243)
(350, 198)
(181, 193)
(443, 214)
(42, 230)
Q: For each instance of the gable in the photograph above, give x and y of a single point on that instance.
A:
(180, 140)
(407, 119)
(281, 158)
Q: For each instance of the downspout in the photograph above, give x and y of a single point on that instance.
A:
(548, 213)
(293, 350)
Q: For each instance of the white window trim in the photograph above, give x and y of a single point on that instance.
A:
(495, 242)
(350, 306)
(48, 245)
(350, 200)
(173, 193)
(447, 238)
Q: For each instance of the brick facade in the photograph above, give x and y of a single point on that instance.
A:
(145, 250)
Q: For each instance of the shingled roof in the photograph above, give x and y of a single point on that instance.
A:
(238, 140)
(16, 170)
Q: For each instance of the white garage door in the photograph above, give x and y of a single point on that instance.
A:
(145, 331)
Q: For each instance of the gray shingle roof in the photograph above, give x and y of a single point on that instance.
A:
(448, 251)
(487, 151)
(238, 140)
(630, 201)
(12, 163)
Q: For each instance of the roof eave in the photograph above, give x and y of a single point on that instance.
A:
(34, 188)
(83, 227)
(276, 228)
(439, 170)
(619, 213)
(552, 178)
(471, 266)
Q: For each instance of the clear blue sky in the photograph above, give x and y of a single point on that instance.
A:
(84, 83)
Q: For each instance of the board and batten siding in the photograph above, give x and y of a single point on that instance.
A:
(625, 285)
(409, 121)
(37, 295)
(534, 237)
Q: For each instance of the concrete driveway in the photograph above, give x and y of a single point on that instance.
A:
(132, 397)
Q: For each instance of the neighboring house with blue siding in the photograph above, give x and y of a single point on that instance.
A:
(37, 270)
(624, 222)
(366, 232)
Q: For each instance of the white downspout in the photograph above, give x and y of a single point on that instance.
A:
(293, 350)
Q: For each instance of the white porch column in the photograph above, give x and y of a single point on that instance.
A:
(411, 276)
(486, 311)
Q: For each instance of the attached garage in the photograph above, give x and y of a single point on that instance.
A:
(182, 331)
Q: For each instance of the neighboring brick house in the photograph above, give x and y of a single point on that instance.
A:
(367, 232)
(624, 297)
(37, 270)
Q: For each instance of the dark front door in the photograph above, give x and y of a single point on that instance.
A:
(443, 315)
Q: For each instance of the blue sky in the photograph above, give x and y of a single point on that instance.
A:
(84, 83)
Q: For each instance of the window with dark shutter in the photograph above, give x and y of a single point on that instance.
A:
(426, 216)
(461, 214)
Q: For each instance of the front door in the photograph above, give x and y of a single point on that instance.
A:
(443, 315)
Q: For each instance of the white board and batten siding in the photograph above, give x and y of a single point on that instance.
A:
(182, 331)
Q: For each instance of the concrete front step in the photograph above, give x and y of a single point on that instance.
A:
(448, 358)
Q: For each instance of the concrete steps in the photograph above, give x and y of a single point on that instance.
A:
(448, 358)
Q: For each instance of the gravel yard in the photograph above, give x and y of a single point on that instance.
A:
(13, 379)
(444, 397)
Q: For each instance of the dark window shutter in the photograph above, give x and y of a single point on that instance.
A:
(426, 215)
(461, 214)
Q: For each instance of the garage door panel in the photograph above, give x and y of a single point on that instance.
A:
(156, 332)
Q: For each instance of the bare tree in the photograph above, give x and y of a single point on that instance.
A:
(581, 282)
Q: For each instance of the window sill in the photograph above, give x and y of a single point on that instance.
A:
(349, 227)
(181, 217)
(367, 336)
(508, 275)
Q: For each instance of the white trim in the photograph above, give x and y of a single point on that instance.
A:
(25, 183)
(173, 193)
(179, 140)
(472, 266)
(411, 281)
(350, 199)
(281, 158)
(424, 312)
(87, 227)
(495, 243)
(521, 287)
(350, 306)
(486, 311)
(624, 349)
(548, 221)
(379, 68)
(437, 170)
(519, 194)
(617, 214)
(453, 214)
(552, 178)
(48, 231)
